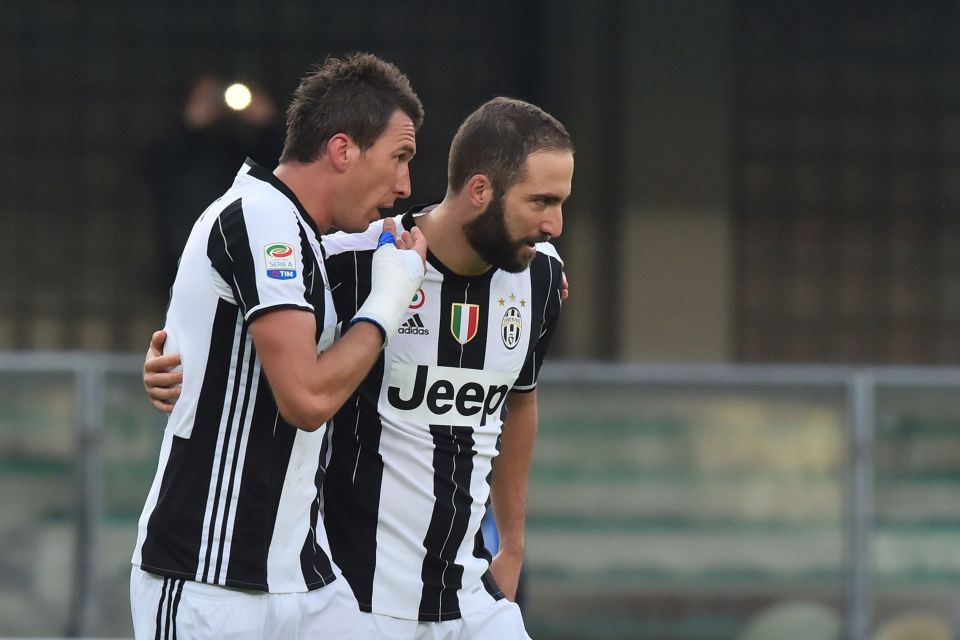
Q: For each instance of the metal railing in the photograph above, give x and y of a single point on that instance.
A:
(89, 371)
(860, 385)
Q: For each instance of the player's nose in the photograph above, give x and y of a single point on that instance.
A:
(552, 223)
(402, 186)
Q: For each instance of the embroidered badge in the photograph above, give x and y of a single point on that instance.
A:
(511, 327)
(418, 300)
(281, 261)
(464, 321)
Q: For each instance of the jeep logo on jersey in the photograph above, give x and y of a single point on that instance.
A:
(281, 261)
(446, 395)
(464, 321)
(511, 327)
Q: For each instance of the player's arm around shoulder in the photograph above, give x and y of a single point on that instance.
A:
(308, 388)
(547, 249)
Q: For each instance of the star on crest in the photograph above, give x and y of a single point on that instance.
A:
(501, 302)
(512, 297)
(523, 303)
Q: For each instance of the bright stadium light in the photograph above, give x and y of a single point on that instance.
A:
(237, 96)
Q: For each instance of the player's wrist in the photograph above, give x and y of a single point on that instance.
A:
(396, 277)
(382, 331)
(510, 548)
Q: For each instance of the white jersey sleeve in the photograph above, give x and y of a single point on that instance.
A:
(257, 247)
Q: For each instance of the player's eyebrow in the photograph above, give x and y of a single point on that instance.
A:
(549, 198)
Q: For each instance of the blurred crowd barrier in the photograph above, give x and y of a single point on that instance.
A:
(666, 502)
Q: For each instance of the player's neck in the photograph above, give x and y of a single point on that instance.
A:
(311, 190)
(443, 229)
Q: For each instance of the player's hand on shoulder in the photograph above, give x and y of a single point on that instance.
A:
(412, 240)
(160, 381)
(564, 287)
(397, 272)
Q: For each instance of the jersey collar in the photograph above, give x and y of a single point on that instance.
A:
(260, 173)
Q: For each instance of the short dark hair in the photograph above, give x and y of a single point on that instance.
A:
(355, 95)
(496, 139)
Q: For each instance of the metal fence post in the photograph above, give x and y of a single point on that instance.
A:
(861, 413)
(84, 607)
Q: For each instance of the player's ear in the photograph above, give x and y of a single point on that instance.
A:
(479, 190)
(340, 150)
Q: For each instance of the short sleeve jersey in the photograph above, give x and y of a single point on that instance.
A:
(408, 479)
(236, 500)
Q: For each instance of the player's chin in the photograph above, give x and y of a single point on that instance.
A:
(382, 211)
(520, 261)
(527, 253)
(362, 223)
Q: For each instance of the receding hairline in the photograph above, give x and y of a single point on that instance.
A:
(519, 127)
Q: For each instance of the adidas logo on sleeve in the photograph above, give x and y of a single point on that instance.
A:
(414, 326)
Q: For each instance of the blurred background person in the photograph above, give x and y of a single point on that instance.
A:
(192, 164)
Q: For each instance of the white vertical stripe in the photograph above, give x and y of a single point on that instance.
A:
(406, 503)
(251, 400)
(497, 357)
(208, 514)
(224, 502)
(290, 530)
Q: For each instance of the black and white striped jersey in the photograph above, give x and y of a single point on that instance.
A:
(408, 476)
(236, 498)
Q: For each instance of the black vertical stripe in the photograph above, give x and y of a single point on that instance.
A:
(311, 274)
(312, 280)
(452, 456)
(355, 475)
(237, 452)
(174, 529)
(453, 466)
(454, 290)
(349, 275)
(228, 249)
(314, 562)
(353, 486)
(163, 597)
(269, 445)
(545, 283)
(241, 349)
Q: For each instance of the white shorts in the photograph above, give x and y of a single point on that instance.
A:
(500, 621)
(172, 609)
